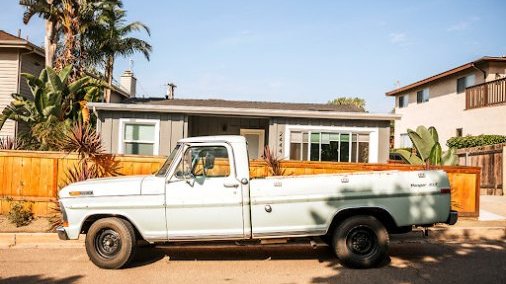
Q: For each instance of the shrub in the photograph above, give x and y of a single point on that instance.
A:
(20, 215)
(475, 141)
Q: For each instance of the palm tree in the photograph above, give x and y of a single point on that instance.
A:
(114, 39)
(360, 103)
(46, 9)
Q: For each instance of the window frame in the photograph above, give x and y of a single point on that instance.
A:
(185, 146)
(421, 96)
(373, 133)
(466, 83)
(128, 121)
(404, 101)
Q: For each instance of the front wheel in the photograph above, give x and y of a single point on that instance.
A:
(110, 243)
(361, 242)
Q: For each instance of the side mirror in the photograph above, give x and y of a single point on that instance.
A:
(209, 161)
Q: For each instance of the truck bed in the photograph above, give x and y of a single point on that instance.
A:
(306, 205)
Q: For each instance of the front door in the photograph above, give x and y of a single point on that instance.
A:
(203, 196)
(255, 138)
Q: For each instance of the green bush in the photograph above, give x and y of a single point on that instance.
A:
(20, 215)
(474, 141)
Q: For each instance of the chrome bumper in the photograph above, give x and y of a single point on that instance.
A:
(62, 234)
(452, 218)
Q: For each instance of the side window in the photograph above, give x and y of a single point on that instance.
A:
(205, 161)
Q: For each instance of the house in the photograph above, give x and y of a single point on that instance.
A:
(466, 100)
(17, 56)
(296, 131)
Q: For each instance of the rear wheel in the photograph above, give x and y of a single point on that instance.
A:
(361, 242)
(111, 243)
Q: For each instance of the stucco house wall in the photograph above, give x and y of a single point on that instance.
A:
(446, 111)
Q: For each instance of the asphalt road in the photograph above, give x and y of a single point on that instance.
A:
(410, 262)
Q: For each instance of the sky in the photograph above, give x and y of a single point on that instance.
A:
(299, 51)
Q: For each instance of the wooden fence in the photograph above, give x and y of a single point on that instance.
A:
(35, 176)
(491, 160)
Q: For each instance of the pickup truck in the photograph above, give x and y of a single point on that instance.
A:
(203, 192)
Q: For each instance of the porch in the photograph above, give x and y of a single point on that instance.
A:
(256, 130)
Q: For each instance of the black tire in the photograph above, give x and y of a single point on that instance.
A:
(111, 243)
(361, 242)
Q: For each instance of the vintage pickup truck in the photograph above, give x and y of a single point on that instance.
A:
(204, 192)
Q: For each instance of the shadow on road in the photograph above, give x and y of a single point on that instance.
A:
(434, 262)
(40, 279)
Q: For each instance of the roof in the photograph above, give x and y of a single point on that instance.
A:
(244, 108)
(245, 104)
(445, 74)
(12, 41)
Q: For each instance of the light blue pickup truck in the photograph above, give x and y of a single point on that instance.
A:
(204, 192)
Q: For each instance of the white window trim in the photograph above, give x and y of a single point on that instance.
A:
(372, 131)
(121, 141)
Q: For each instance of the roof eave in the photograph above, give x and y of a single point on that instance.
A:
(443, 75)
(244, 111)
(22, 45)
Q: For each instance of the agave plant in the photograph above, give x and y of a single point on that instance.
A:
(93, 162)
(428, 151)
(273, 162)
(9, 143)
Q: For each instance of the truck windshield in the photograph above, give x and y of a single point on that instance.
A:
(163, 170)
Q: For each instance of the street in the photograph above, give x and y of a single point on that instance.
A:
(410, 262)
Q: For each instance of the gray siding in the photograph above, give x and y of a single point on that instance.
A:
(32, 64)
(8, 84)
(176, 126)
(172, 128)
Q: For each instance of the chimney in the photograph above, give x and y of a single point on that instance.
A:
(170, 91)
(128, 82)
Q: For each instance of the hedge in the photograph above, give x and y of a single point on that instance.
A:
(474, 141)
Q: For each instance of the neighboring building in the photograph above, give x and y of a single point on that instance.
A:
(466, 100)
(319, 132)
(16, 56)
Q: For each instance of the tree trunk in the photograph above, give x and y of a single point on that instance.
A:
(109, 66)
(49, 46)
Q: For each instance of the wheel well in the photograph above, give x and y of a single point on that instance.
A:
(93, 218)
(381, 214)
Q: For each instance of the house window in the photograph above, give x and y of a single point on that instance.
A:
(403, 101)
(139, 137)
(405, 141)
(464, 82)
(422, 96)
(329, 146)
(459, 132)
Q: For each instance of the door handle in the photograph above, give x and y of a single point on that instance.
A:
(231, 185)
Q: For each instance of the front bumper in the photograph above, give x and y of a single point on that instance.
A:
(62, 234)
(452, 218)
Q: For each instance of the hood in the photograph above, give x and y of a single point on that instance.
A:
(104, 187)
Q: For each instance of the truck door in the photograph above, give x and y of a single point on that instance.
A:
(203, 196)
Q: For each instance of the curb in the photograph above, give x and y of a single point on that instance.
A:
(437, 234)
(37, 240)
